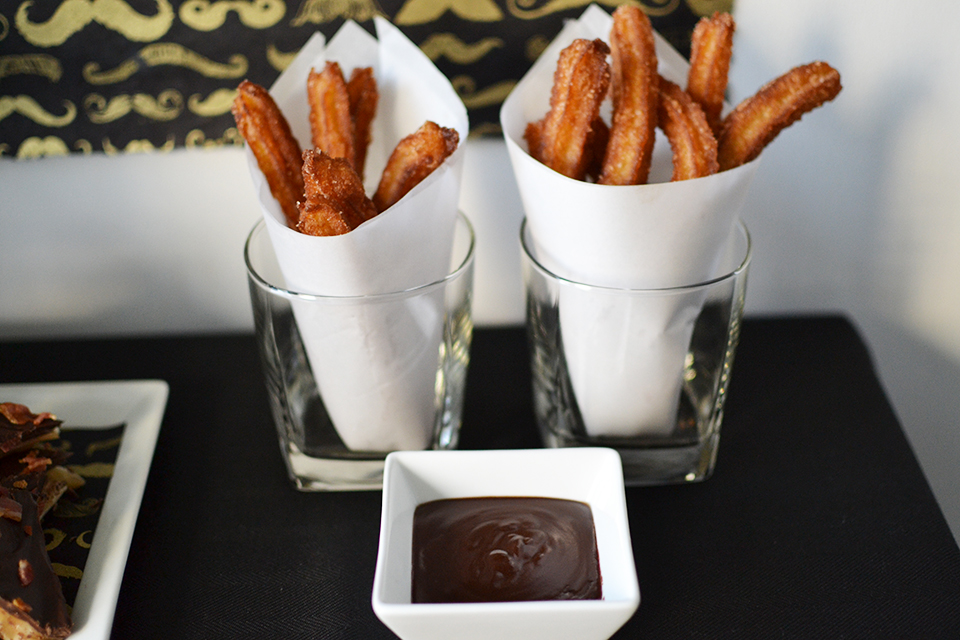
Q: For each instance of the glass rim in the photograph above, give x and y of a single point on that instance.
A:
(455, 273)
(733, 273)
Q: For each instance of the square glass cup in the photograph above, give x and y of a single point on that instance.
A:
(411, 348)
(643, 371)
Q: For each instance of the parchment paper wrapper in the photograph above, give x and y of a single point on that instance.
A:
(375, 364)
(662, 234)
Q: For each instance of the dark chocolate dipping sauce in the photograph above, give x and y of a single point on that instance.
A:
(506, 549)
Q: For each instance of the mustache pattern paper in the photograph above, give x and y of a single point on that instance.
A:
(375, 364)
(656, 235)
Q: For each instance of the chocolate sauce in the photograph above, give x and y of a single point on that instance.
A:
(507, 549)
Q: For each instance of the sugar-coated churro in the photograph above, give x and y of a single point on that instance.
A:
(756, 121)
(413, 159)
(331, 125)
(334, 201)
(364, 96)
(561, 139)
(685, 125)
(573, 139)
(321, 190)
(268, 135)
(711, 46)
(635, 98)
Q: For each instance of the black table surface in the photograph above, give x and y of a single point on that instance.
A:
(818, 522)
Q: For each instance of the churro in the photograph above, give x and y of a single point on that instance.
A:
(334, 200)
(756, 121)
(331, 125)
(635, 97)
(561, 139)
(364, 96)
(573, 139)
(711, 46)
(414, 158)
(691, 140)
(268, 135)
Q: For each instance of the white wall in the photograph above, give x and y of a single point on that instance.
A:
(857, 207)
(854, 209)
(102, 245)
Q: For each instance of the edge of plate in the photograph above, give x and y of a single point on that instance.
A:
(142, 410)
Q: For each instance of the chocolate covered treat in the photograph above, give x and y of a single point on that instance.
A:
(32, 605)
(19, 428)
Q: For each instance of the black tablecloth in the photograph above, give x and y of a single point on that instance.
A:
(818, 522)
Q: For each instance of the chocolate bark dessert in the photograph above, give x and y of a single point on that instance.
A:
(19, 428)
(32, 604)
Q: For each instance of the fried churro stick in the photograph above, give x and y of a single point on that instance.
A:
(756, 121)
(362, 89)
(593, 150)
(268, 135)
(635, 98)
(414, 158)
(693, 144)
(561, 139)
(331, 125)
(710, 48)
(334, 202)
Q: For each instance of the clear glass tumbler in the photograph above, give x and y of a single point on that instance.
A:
(644, 371)
(352, 378)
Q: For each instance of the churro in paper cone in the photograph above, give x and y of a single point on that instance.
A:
(657, 235)
(375, 363)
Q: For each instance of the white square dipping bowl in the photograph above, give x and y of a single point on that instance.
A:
(590, 475)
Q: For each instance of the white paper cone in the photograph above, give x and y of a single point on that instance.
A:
(375, 364)
(376, 368)
(639, 343)
(662, 234)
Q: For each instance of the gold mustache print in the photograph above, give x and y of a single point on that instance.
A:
(456, 50)
(707, 7)
(73, 15)
(197, 139)
(280, 60)
(216, 104)
(67, 571)
(322, 11)
(81, 542)
(28, 107)
(137, 146)
(93, 469)
(166, 53)
(423, 11)
(204, 15)
(167, 106)
(527, 9)
(466, 88)
(37, 64)
(41, 147)
(54, 537)
(102, 445)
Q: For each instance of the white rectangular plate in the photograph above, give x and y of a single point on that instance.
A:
(139, 404)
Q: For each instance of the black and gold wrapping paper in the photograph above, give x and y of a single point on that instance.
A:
(125, 76)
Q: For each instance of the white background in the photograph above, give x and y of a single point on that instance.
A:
(856, 209)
